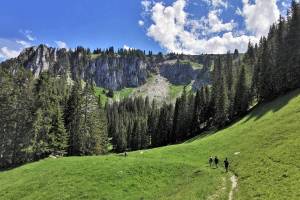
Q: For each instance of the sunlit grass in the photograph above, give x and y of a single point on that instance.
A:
(263, 150)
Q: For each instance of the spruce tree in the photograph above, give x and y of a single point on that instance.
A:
(241, 100)
(293, 44)
(220, 97)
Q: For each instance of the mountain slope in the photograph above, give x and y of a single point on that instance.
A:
(113, 70)
(263, 149)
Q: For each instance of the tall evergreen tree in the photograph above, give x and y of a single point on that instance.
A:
(293, 44)
(241, 100)
(16, 119)
(47, 116)
(220, 97)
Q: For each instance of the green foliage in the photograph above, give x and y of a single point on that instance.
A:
(41, 117)
(175, 90)
(180, 172)
(48, 127)
(242, 95)
(220, 95)
(277, 61)
(16, 120)
(194, 65)
(117, 95)
(124, 93)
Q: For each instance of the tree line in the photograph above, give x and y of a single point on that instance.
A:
(137, 123)
(267, 70)
(276, 59)
(46, 117)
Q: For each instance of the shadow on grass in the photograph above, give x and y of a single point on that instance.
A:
(256, 112)
(200, 136)
(273, 106)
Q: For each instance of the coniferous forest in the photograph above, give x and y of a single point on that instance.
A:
(49, 115)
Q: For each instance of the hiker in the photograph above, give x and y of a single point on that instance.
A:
(216, 161)
(226, 164)
(210, 161)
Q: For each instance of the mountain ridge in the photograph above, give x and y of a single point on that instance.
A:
(115, 70)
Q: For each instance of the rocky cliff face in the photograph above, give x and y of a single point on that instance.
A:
(184, 73)
(178, 74)
(116, 73)
(111, 72)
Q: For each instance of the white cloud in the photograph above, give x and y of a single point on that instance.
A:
(10, 48)
(217, 3)
(7, 53)
(23, 43)
(238, 11)
(175, 32)
(146, 5)
(141, 22)
(260, 15)
(61, 44)
(28, 35)
(126, 47)
(216, 24)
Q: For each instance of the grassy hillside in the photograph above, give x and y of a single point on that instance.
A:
(263, 149)
(156, 87)
(119, 94)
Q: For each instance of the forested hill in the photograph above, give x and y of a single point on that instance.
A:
(48, 102)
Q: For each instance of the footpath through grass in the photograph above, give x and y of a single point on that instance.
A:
(263, 149)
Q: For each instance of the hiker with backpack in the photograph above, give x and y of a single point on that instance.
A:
(216, 160)
(210, 161)
(226, 164)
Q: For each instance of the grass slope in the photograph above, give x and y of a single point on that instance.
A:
(267, 166)
(118, 95)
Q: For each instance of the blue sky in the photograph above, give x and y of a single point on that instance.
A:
(188, 26)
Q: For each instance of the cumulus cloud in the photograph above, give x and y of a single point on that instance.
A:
(173, 29)
(260, 15)
(61, 44)
(216, 24)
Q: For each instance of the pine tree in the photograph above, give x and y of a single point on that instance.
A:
(15, 120)
(47, 103)
(265, 82)
(72, 117)
(58, 135)
(293, 44)
(181, 121)
(228, 73)
(241, 100)
(152, 123)
(220, 97)
(92, 130)
(280, 77)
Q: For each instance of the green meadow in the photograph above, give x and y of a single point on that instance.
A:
(263, 149)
